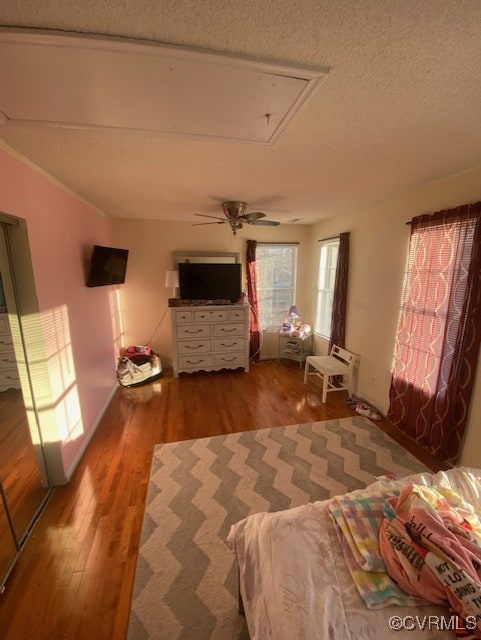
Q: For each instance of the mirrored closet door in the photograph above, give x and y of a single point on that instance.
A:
(8, 544)
(22, 493)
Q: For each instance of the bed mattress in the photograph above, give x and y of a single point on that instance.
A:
(295, 584)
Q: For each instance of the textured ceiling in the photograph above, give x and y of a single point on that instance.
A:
(75, 81)
(400, 106)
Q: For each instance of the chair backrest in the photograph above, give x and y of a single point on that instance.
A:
(344, 356)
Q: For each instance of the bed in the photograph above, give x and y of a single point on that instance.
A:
(295, 584)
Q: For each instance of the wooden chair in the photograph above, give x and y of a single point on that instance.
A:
(338, 363)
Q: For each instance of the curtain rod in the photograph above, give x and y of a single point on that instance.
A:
(283, 243)
(326, 239)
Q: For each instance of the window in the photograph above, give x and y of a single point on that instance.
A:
(325, 286)
(435, 287)
(276, 266)
(439, 334)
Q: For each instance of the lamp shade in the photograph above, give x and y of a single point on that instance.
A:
(294, 311)
(172, 279)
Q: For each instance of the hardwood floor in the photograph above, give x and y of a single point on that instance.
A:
(74, 578)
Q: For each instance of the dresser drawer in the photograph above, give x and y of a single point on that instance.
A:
(9, 384)
(4, 325)
(9, 375)
(193, 331)
(214, 315)
(195, 362)
(6, 343)
(194, 346)
(182, 317)
(229, 344)
(237, 314)
(7, 358)
(229, 359)
(229, 329)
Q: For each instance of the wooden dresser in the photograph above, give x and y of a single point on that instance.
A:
(9, 378)
(210, 338)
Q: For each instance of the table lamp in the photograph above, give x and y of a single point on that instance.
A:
(172, 280)
(293, 315)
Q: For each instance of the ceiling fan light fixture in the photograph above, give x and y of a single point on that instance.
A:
(234, 208)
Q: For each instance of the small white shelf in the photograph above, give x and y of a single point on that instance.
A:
(295, 348)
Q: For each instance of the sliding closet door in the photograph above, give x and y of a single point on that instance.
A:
(20, 443)
(8, 545)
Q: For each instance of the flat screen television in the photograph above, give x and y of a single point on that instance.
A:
(209, 281)
(107, 266)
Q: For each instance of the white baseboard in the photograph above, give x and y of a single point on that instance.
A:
(79, 455)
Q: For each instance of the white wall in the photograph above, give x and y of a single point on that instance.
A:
(144, 297)
(379, 242)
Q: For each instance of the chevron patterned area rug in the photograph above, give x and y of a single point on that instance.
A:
(186, 581)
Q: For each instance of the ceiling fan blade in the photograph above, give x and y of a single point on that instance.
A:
(266, 223)
(206, 215)
(200, 224)
(254, 215)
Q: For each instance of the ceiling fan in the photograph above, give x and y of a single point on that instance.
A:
(236, 216)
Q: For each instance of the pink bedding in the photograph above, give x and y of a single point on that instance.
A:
(295, 584)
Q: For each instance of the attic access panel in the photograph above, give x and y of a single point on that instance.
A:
(80, 81)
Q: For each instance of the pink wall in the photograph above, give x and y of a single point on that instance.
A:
(76, 320)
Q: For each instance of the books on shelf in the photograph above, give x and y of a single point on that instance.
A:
(295, 347)
(292, 346)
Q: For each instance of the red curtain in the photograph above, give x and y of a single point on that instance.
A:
(439, 332)
(254, 336)
(339, 301)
